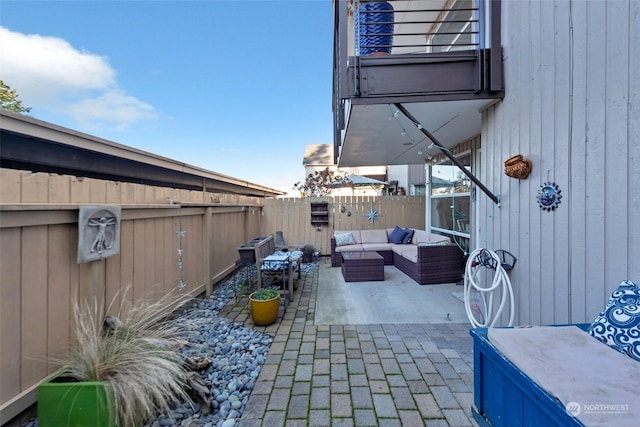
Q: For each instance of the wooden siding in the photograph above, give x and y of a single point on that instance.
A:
(572, 90)
(292, 216)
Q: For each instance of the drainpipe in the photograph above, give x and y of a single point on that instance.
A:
(447, 153)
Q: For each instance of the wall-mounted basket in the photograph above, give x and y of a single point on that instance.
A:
(507, 260)
(517, 167)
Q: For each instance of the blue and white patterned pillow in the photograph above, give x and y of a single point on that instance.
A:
(343, 239)
(618, 325)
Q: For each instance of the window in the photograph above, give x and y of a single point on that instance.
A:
(417, 190)
(456, 31)
(450, 201)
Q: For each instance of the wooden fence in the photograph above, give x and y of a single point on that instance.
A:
(292, 216)
(168, 237)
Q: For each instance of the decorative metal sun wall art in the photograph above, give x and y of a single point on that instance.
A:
(549, 196)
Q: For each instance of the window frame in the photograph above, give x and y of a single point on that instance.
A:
(461, 238)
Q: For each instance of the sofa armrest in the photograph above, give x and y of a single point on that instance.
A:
(335, 257)
(443, 263)
(428, 252)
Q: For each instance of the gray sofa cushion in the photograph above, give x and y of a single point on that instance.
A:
(377, 246)
(374, 236)
(349, 248)
(409, 252)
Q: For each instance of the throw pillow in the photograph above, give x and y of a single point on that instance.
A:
(343, 239)
(397, 235)
(408, 236)
(618, 325)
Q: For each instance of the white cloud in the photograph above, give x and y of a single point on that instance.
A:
(51, 75)
(111, 108)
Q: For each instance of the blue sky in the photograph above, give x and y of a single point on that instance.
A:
(235, 87)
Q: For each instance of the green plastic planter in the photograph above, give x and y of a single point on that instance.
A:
(65, 402)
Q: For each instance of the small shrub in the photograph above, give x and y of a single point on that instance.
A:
(266, 293)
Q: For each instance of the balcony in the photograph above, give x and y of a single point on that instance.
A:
(440, 59)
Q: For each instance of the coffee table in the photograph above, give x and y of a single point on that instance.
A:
(362, 266)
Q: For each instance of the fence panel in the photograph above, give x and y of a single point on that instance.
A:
(292, 216)
(168, 237)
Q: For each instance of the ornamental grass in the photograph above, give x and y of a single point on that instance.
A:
(137, 352)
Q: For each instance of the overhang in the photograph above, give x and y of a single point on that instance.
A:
(38, 146)
(379, 134)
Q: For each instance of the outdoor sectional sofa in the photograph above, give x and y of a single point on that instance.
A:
(427, 258)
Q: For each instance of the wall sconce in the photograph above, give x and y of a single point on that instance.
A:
(517, 167)
(343, 208)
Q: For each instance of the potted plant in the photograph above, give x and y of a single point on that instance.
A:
(119, 372)
(264, 305)
(307, 252)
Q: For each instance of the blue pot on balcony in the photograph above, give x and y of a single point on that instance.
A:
(374, 28)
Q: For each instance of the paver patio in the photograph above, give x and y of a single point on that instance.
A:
(358, 375)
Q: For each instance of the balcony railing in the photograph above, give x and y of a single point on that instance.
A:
(417, 26)
(412, 51)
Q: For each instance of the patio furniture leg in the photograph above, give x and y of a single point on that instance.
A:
(259, 266)
(290, 278)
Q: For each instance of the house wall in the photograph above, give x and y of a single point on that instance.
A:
(407, 175)
(572, 85)
(398, 173)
